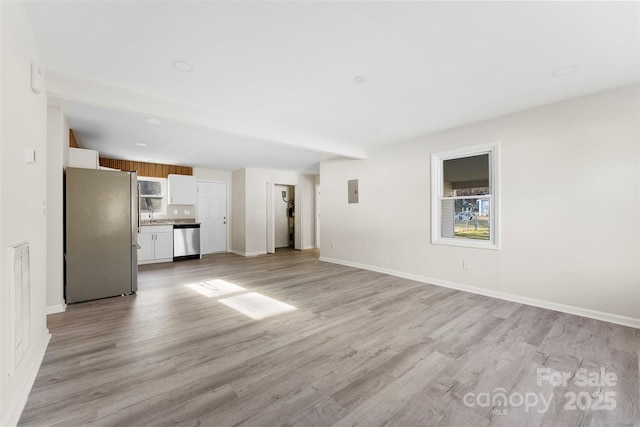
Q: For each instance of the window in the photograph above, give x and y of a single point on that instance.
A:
(152, 194)
(464, 197)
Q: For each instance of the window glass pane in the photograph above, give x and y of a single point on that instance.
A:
(146, 203)
(466, 176)
(465, 195)
(466, 218)
(150, 188)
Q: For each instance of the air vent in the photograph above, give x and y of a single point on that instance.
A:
(20, 303)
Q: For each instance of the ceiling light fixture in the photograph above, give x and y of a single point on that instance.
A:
(141, 144)
(564, 71)
(359, 79)
(154, 121)
(183, 66)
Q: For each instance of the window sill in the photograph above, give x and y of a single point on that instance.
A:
(466, 243)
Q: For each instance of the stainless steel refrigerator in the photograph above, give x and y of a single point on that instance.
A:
(101, 234)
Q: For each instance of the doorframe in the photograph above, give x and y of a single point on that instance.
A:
(317, 212)
(271, 223)
(297, 215)
(298, 221)
(226, 184)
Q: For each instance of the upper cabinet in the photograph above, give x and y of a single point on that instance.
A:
(83, 158)
(182, 189)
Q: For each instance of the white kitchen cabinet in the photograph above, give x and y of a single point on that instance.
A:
(164, 245)
(182, 189)
(156, 244)
(83, 158)
(146, 250)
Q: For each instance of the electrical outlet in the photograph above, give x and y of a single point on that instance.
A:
(175, 211)
(187, 211)
(284, 194)
(466, 264)
(333, 245)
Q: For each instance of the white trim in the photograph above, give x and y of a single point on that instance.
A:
(317, 212)
(163, 190)
(304, 248)
(491, 148)
(249, 254)
(58, 308)
(298, 222)
(480, 197)
(16, 406)
(549, 305)
(271, 225)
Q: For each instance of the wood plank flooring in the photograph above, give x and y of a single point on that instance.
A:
(361, 348)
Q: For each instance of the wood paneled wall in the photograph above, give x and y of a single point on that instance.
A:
(72, 140)
(146, 169)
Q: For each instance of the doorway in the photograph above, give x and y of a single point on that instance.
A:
(293, 214)
(284, 215)
(211, 213)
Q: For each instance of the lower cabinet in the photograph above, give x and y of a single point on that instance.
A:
(155, 244)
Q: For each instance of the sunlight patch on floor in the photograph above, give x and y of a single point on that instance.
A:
(257, 306)
(215, 288)
(251, 304)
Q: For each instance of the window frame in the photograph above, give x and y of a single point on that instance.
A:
(163, 194)
(437, 196)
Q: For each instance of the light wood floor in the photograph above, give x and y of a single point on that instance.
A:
(361, 348)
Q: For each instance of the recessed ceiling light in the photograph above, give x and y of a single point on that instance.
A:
(183, 66)
(154, 121)
(560, 72)
(141, 144)
(359, 79)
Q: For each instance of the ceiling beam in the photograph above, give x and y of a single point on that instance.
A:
(65, 87)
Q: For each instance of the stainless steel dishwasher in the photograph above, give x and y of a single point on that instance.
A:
(186, 241)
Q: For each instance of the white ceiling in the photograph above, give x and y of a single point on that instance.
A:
(273, 82)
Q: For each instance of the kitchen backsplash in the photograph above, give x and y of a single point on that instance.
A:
(173, 212)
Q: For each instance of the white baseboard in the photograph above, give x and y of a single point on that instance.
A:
(248, 254)
(16, 406)
(569, 309)
(58, 308)
(304, 248)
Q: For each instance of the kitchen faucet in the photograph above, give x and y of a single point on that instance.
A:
(151, 213)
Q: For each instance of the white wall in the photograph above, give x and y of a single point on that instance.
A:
(23, 189)
(308, 183)
(213, 175)
(250, 208)
(570, 209)
(57, 143)
(238, 208)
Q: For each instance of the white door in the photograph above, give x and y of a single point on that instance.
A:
(212, 216)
